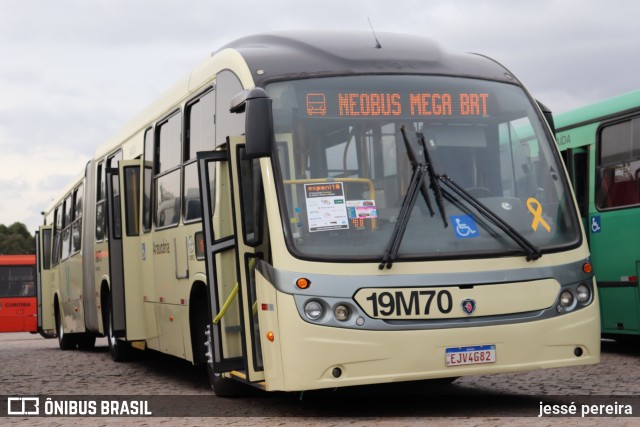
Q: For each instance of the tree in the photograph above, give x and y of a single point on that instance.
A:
(16, 240)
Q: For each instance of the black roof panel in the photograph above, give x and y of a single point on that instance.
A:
(302, 54)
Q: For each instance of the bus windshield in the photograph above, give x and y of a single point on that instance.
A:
(344, 168)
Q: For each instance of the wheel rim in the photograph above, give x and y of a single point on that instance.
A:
(60, 329)
(110, 336)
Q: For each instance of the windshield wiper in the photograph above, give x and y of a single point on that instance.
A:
(417, 184)
(532, 251)
(433, 179)
(413, 158)
(417, 180)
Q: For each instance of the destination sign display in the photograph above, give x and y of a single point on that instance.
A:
(390, 104)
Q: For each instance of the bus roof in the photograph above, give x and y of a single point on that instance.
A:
(299, 54)
(599, 111)
(17, 259)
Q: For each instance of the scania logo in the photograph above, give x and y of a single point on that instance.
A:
(468, 305)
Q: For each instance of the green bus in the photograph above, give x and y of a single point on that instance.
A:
(600, 145)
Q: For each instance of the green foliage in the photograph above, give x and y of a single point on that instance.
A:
(16, 240)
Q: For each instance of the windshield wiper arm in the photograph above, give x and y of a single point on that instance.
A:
(413, 158)
(533, 252)
(417, 184)
(433, 179)
(417, 181)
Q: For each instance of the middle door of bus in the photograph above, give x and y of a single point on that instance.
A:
(124, 196)
(232, 226)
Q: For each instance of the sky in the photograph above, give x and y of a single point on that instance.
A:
(73, 72)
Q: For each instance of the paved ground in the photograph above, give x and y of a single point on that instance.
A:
(31, 365)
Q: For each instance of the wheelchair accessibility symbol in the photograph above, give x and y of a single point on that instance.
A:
(595, 224)
(465, 226)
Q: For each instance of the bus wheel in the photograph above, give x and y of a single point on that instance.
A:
(222, 387)
(225, 387)
(119, 350)
(65, 341)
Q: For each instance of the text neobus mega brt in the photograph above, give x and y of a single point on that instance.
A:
(310, 210)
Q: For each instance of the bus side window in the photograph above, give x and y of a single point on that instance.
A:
(46, 249)
(76, 226)
(252, 198)
(101, 215)
(57, 233)
(167, 181)
(227, 86)
(200, 136)
(147, 177)
(66, 233)
(618, 165)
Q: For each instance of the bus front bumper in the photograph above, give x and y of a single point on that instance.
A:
(304, 356)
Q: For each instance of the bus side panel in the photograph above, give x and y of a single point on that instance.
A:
(615, 249)
(71, 294)
(619, 309)
(148, 291)
(268, 320)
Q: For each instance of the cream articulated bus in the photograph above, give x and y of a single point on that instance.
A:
(315, 210)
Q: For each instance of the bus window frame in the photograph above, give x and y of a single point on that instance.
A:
(599, 165)
(147, 206)
(186, 148)
(165, 173)
(100, 226)
(76, 220)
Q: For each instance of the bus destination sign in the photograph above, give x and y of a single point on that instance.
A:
(386, 104)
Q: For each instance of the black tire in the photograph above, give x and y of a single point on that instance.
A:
(225, 387)
(222, 387)
(119, 350)
(65, 341)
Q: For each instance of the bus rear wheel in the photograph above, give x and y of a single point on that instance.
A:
(119, 350)
(65, 341)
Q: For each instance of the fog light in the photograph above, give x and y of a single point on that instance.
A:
(341, 312)
(313, 310)
(566, 299)
(583, 293)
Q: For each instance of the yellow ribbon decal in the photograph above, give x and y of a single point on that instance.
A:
(535, 208)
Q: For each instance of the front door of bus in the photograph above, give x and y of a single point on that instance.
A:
(226, 192)
(124, 201)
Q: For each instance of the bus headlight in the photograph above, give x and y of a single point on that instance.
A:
(313, 310)
(566, 299)
(341, 312)
(583, 293)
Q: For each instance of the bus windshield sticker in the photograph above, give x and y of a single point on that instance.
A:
(362, 209)
(535, 208)
(326, 207)
(465, 226)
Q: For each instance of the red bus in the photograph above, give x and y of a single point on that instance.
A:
(18, 305)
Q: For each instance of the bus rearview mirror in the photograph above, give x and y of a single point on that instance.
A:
(259, 133)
